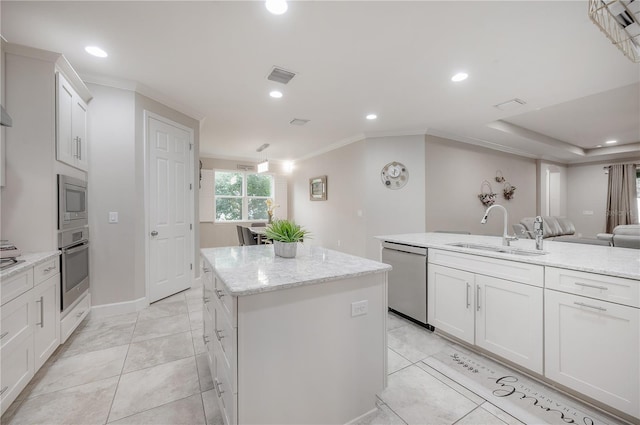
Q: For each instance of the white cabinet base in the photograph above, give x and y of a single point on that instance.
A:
(71, 320)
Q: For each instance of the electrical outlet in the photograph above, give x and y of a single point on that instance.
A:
(113, 217)
(587, 212)
(359, 308)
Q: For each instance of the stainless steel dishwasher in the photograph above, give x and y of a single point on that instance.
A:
(407, 282)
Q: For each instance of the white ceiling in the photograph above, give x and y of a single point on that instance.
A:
(395, 59)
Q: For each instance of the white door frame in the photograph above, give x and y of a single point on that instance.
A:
(191, 213)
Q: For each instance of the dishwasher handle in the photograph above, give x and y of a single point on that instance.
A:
(418, 250)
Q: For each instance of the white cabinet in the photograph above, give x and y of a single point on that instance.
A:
(71, 125)
(29, 327)
(592, 345)
(46, 303)
(501, 316)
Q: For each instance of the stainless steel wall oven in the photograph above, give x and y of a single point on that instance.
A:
(72, 202)
(74, 244)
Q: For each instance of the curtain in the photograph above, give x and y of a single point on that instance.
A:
(622, 207)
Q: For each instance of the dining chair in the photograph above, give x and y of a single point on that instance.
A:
(240, 235)
(248, 237)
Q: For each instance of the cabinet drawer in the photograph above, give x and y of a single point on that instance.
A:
(228, 303)
(607, 288)
(225, 335)
(44, 271)
(530, 274)
(16, 369)
(15, 320)
(227, 398)
(16, 286)
(71, 321)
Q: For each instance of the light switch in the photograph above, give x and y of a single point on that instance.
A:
(113, 217)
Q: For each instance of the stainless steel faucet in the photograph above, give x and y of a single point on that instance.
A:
(506, 238)
(538, 230)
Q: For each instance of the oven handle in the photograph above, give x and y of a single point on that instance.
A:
(76, 248)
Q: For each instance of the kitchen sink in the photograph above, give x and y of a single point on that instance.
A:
(497, 248)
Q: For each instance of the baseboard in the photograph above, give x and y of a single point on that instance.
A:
(106, 310)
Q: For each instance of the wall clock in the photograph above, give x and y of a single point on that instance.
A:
(394, 175)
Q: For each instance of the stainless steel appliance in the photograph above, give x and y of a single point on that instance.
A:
(74, 244)
(72, 202)
(407, 282)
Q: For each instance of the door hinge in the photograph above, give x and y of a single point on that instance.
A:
(190, 186)
(190, 226)
(190, 146)
(191, 266)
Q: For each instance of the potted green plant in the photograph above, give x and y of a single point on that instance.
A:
(285, 235)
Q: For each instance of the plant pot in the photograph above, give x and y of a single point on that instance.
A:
(285, 249)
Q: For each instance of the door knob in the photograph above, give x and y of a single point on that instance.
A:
(154, 233)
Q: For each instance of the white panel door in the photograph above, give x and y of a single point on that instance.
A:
(170, 247)
(593, 347)
(509, 320)
(450, 301)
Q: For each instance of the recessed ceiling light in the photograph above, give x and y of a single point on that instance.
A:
(277, 7)
(276, 94)
(96, 51)
(611, 142)
(371, 116)
(460, 76)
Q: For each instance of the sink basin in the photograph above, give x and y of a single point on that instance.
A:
(497, 248)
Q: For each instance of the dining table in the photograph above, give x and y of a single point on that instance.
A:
(260, 233)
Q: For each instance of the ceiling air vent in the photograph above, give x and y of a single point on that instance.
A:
(280, 75)
(510, 104)
(298, 121)
(246, 167)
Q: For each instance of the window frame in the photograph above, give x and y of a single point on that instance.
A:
(244, 197)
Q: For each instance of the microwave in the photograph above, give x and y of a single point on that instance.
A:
(72, 202)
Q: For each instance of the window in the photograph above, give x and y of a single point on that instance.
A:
(241, 196)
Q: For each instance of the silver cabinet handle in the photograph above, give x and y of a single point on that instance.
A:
(3, 390)
(219, 293)
(48, 269)
(604, 288)
(590, 306)
(478, 298)
(206, 269)
(468, 287)
(217, 384)
(205, 299)
(41, 301)
(219, 335)
(154, 233)
(80, 314)
(4, 334)
(79, 148)
(77, 154)
(205, 339)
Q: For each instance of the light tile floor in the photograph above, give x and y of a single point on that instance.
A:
(150, 368)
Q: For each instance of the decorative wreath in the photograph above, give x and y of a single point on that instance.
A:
(508, 191)
(499, 177)
(486, 196)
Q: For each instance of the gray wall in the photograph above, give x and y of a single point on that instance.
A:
(454, 173)
(116, 178)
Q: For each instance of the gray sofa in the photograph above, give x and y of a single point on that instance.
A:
(624, 236)
(559, 229)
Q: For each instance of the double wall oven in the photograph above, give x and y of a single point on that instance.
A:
(73, 239)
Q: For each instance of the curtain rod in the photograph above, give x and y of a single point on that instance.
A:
(608, 166)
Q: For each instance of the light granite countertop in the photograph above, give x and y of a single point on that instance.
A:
(30, 260)
(620, 262)
(250, 270)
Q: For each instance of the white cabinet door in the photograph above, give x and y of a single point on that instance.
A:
(65, 146)
(509, 320)
(79, 132)
(46, 300)
(71, 126)
(593, 347)
(450, 301)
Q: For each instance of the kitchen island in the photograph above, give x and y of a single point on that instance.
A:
(568, 315)
(299, 340)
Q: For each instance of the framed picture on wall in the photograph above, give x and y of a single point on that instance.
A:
(318, 188)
